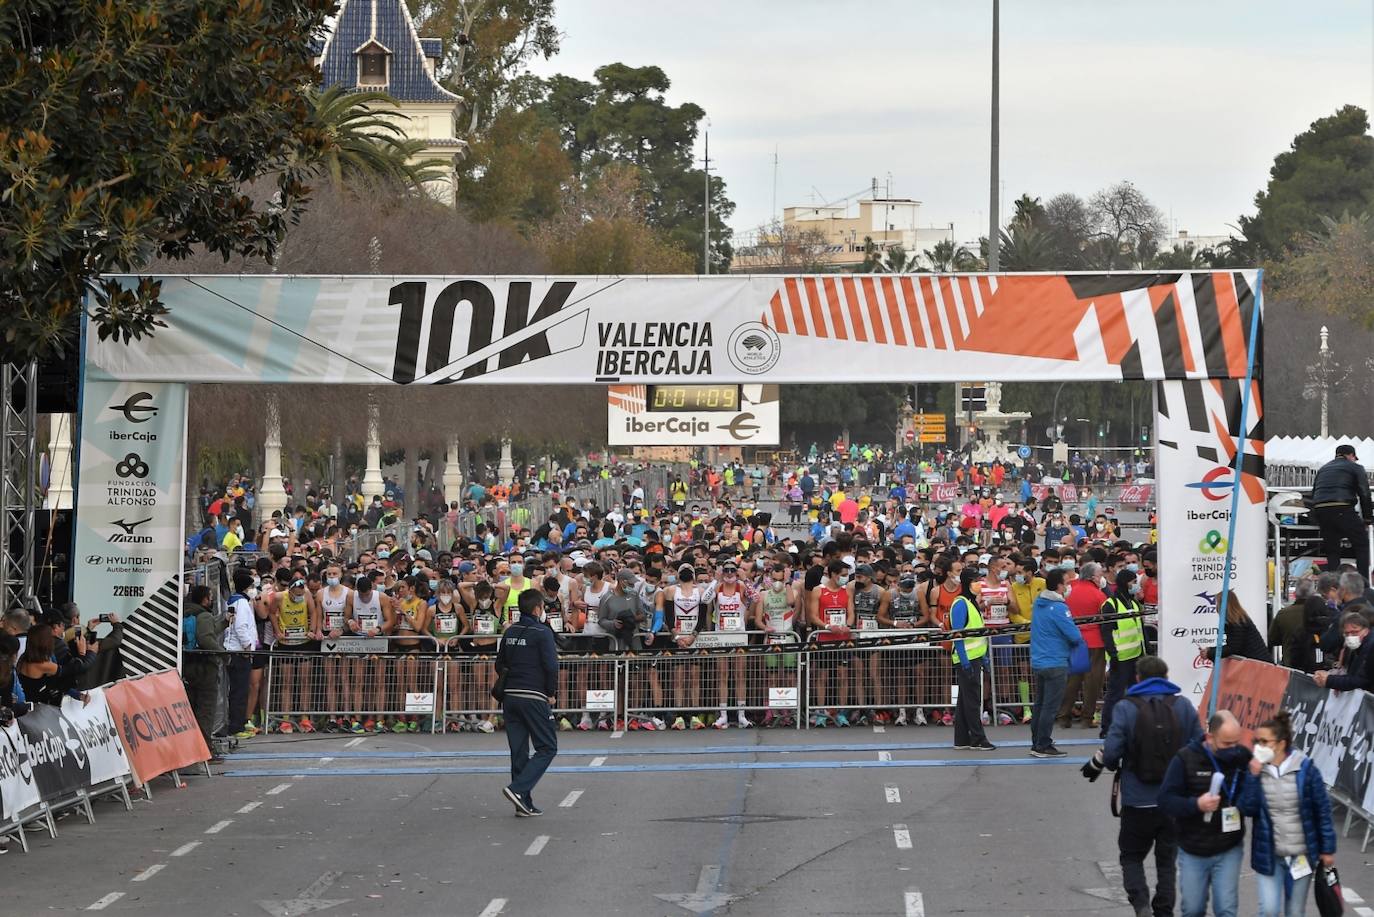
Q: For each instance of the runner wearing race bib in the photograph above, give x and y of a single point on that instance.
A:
(683, 616)
(484, 602)
(369, 614)
(832, 612)
(775, 610)
(903, 612)
(595, 588)
(332, 600)
(296, 619)
(732, 606)
(994, 603)
(870, 605)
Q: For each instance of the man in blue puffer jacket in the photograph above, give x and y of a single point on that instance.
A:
(1143, 825)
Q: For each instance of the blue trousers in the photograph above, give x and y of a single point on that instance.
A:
(529, 721)
(1220, 873)
(1049, 694)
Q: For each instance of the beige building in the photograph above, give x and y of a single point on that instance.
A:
(374, 47)
(834, 236)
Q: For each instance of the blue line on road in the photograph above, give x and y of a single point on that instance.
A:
(623, 751)
(656, 768)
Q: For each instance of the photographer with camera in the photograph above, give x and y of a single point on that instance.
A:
(1147, 729)
(46, 680)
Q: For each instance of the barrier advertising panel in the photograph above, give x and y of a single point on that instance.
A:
(157, 724)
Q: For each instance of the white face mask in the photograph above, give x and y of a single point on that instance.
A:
(1353, 641)
(1264, 754)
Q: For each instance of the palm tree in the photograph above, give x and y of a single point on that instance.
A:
(1024, 248)
(947, 256)
(365, 141)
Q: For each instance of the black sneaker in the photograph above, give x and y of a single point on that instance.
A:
(521, 809)
(962, 747)
(985, 746)
(533, 811)
(1053, 752)
(1038, 753)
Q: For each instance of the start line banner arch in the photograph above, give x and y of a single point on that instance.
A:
(1185, 330)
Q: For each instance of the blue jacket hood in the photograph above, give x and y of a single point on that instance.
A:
(1153, 687)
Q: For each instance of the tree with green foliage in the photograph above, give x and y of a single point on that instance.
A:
(947, 256)
(516, 172)
(367, 140)
(134, 129)
(488, 45)
(1328, 171)
(1333, 270)
(624, 117)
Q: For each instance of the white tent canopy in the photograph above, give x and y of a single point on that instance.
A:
(1311, 451)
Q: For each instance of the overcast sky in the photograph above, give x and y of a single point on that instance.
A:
(1188, 99)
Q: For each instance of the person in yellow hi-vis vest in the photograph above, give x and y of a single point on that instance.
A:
(970, 658)
(1124, 641)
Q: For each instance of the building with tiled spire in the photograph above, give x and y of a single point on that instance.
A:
(374, 47)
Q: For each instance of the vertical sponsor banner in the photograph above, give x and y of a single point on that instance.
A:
(1196, 425)
(130, 514)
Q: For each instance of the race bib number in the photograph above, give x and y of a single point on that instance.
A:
(334, 620)
(514, 615)
(1152, 615)
(294, 633)
(1299, 867)
(779, 638)
(486, 625)
(835, 618)
(370, 623)
(997, 614)
(556, 623)
(446, 625)
(732, 623)
(1230, 819)
(868, 624)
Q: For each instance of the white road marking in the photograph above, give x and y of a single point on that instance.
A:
(185, 849)
(617, 734)
(893, 794)
(219, 826)
(1362, 911)
(536, 845)
(105, 902)
(880, 729)
(1352, 896)
(279, 788)
(148, 873)
(496, 906)
(902, 836)
(250, 807)
(352, 743)
(598, 761)
(325, 760)
(915, 904)
(570, 800)
(884, 756)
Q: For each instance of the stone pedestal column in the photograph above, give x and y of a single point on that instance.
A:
(505, 471)
(60, 455)
(271, 493)
(372, 485)
(453, 471)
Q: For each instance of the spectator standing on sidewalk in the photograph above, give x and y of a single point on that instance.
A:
(241, 639)
(203, 668)
(528, 657)
(1053, 638)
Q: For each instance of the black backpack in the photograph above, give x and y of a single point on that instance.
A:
(1155, 739)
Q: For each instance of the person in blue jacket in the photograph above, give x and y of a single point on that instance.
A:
(1143, 824)
(1292, 830)
(1053, 638)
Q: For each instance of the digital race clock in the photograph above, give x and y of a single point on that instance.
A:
(693, 398)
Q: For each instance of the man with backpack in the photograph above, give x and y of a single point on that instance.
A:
(202, 630)
(1148, 728)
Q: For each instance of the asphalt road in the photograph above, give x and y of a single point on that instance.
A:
(833, 822)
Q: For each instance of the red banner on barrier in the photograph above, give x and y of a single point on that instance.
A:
(1137, 494)
(1250, 689)
(156, 724)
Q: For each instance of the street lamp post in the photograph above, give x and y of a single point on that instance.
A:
(994, 205)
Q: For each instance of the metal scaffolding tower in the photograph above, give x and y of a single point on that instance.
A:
(18, 482)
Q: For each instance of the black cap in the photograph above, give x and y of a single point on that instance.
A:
(1346, 449)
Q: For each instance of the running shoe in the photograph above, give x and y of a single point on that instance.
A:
(985, 719)
(722, 721)
(947, 718)
(842, 721)
(286, 727)
(901, 719)
(369, 725)
(414, 725)
(985, 745)
(820, 722)
(1004, 719)
(861, 718)
(698, 723)
(603, 724)
(357, 728)
(1050, 752)
(584, 724)
(920, 718)
(564, 725)
(400, 726)
(1097, 719)
(1026, 716)
(486, 726)
(619, 725)
(768, 720)
(305, 725)
(679, 724)
(647, 725)
(245, 734)
(659, 724)
(787, 721)
(633, 726)
(744, 721)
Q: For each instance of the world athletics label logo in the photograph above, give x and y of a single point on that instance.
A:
(754, 348)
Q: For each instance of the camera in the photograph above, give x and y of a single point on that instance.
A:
(105, 618)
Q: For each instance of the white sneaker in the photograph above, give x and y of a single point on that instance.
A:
(920, 718)
(987, 720)
(660, 724)
(901, 718)
(745, 722)
(722, 721)
(486, 726)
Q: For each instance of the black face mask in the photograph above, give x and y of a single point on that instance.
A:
(1235, 756)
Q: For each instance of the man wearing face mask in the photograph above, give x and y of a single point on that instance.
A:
(969, 656)
(1201, 791)
(1053, 639)
(1357, 656)
(241, 639)
(1085, 601)
(1123, 640)
(528, 658)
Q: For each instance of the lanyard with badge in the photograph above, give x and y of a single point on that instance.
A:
(1230, 815)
